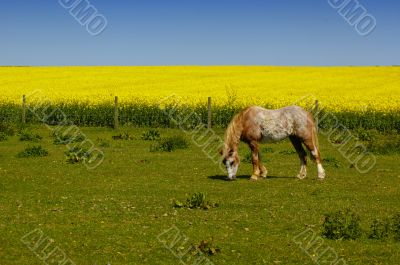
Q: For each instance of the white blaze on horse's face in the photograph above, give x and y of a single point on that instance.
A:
(231, 163)
(232, 168)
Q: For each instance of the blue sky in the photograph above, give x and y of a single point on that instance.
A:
(198, 32)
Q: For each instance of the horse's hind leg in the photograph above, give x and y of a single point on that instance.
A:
(312, 147)
(302, 155)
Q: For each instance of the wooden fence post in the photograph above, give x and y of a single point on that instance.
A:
(23, 109)
(116, 123)
(209, 122)
(316, 115)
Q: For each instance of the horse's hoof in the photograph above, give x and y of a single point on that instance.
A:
(254, 178)
(301, 176)
(265, 174)
(321, 176)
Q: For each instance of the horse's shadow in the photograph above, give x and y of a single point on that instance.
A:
(224, 177)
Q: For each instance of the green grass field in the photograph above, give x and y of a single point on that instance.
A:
(115, 213)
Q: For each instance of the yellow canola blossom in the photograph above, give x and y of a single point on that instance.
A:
(336, 88)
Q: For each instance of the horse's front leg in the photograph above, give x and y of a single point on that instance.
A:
(258, 168)
(263, 169)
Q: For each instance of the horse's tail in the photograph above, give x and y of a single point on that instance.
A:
(314, 138)
(315, 135)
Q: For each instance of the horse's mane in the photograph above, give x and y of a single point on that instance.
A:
(234, 131)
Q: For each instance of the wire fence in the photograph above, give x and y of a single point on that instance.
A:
(141, 114)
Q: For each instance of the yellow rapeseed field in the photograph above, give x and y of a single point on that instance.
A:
(337, 88)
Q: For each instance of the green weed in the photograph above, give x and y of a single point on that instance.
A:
(366, 135)
(380, 229)
(342, 225)
(34, 151)
(247, 158)
(170, 144)
(123, 136)
(151, 135)
(332, 161)
(7, 129)
(3, 137)
(388, 228)
(389, 144)
(207, 247)
(287, 152)
(196, 201)
(103, 143)
(268, 150)
(396, 226)
(29, 136)
(64, 139)
(77, 155)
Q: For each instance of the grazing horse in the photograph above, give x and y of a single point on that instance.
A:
(255, 124)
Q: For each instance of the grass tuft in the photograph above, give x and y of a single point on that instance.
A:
(123, 136)
(7, 129)
(77, 155)
(151, 135)
(3, 137)
(29, 136)
(332, 161)
(103, 143)
(207, 247)
(390, 144)
(64, 139)
(380, 229)
(34, 151)
(196, 201)
(170, 144)
(342, 225)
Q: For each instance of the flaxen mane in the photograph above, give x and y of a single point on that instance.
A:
(233, 132)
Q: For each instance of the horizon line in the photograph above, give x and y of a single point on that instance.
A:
(201, 65)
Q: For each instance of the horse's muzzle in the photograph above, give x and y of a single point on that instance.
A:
(231, 178)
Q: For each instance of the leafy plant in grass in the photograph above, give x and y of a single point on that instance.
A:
(34, 151)
(196, 201)
(268, 150)
(388, 228)
(27, 135)
(207, 247)
(287, 152)
(342, 225)
(3, 137)
(7, 129)
(339, 136)
(385, 145)
(123, 136)
(77, 155)
(366, 135)
(395, 226)
(331, 161)
(170, 144)
(151, 135)
(248, 158)
(103, 143)
(68, 138)
(381, 229)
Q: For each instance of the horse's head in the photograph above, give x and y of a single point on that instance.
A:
(230, 159)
